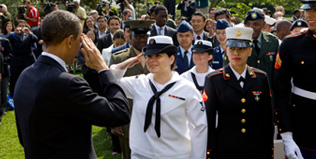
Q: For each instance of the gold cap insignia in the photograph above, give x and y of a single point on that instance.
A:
(238, 33)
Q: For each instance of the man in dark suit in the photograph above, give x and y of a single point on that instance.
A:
(160, 27)
(185, 37)
(187, 8)
(56, 118)
(6, 51)
(114, 23)
(198, 24)
(139, 36)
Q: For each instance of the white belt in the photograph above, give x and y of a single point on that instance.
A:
(304, 93)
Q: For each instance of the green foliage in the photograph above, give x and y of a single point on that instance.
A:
(238, 10)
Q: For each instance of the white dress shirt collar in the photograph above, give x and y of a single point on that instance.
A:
(57, 59)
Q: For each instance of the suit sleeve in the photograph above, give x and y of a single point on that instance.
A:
(282, 83)
(211, 104)
(110, 109)
(197, 117)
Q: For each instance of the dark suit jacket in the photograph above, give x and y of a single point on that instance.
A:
(180, 62)
(55, 119)
(104, 42)
(168, 32)
(38, 32)
(190, 9)
(245, 125)
(7, 52)
(214, 41)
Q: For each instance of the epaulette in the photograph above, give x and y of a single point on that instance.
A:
(217, 72)
(258, 71)
(296, 34)
(122, 51)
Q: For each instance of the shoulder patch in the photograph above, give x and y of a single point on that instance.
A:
(296, 35)
(259, 71)
(217, 72)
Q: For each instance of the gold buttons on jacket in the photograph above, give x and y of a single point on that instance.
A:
(293, 105)
(227, 75)
(243, 110)
(276, 113)
(302, 62)
(243, 130)
(208, 153)
(243, 121)
(280, 130)
(258, 61)
(243, 100)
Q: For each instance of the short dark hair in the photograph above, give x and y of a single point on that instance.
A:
(296, 11)
(58, 25)
(118, 34)
(223, 11)
(159, 8)
(102, 17)
(199, 14)
(114, 17)
(20, 21)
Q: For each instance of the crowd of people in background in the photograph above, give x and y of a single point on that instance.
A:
(119, 37)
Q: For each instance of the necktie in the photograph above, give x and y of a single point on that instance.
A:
(186, 61)
(241, 79)
(200, 88)
(256, 46)
(198, 37)
(150, 106)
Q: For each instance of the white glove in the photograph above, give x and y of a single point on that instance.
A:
(292, 151)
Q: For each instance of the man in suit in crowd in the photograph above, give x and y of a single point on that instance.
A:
(139, 36)
(219, 51)
(187, 8)
(56, 118)
(114, 23)
(7, 53)
(102, 27)
(160, 27)
(198, 24)
(185, 37)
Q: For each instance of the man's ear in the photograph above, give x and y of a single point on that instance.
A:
(69, 41)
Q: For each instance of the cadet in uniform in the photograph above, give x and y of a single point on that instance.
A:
(202, 55)
(140, 33)
(265, 45)
(240, 95)
(295, 89)
(163, 109)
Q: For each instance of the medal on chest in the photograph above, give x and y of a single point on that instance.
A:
(256, 94)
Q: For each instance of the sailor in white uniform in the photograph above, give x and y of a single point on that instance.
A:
(164, 105)
(202, 56)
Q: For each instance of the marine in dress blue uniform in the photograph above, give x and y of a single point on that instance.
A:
(295, 89)
(240, 95)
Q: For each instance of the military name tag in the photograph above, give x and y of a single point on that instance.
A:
(256, 94)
